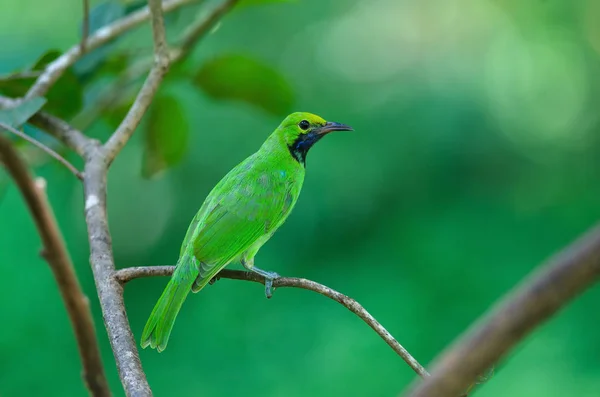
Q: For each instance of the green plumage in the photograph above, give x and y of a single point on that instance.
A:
(239, 215)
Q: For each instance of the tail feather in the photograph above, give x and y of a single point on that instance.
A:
(160, 323)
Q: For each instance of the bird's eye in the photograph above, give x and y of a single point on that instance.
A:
(304, 124)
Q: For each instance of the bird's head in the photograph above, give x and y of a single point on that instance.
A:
(300, 131)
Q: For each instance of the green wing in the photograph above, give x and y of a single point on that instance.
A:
(251, 202)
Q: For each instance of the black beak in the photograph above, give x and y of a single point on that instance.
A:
(331, 126)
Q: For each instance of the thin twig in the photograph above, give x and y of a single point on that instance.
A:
(45, 148)
(56, 255)
(56, 127)
(161, 65)
(537, 298)
(128, 274)
(85, 28)
(102, 36)
(64, 132)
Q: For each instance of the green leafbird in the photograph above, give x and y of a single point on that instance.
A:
(239, 215)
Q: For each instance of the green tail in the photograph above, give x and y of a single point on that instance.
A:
(158, 328)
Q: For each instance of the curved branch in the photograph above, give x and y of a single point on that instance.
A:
(128, 274)
(56, 255)
(45, 148)
(537, 298)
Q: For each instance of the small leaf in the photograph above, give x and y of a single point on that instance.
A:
(14, 80)
(114, 64)
(166, 135)
(65, 97)
(18, 115)
(244, 3)
(100, 15)
(18, 87)
(238, 77)
(45, 59)
(133, 5)
(115, 114)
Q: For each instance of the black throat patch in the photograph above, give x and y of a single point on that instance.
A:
(299, 149)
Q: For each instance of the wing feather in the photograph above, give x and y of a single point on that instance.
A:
(246, 206)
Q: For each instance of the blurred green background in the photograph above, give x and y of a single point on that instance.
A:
(475, 157)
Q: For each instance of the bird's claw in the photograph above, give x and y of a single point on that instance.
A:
(269, 284)
(268, 276)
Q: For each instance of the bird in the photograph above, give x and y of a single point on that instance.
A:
(238, 216)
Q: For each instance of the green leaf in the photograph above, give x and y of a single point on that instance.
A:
(166, 136)
(45, 59)
(100, 15)
(18, 87)
(244, 3)
(115, 114)
(114, 64)
(241, 78)
(133, 5)
(65, 98)
(18, 115)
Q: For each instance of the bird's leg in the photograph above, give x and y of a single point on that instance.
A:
(269, 276)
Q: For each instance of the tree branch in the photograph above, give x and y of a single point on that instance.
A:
(148, 90)
(56, 255)
(104, 35)
(43, 147)
(64, 132)
(537, 298)
(56, 127)
(110, 291)
(98, 159)
(128, 274)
